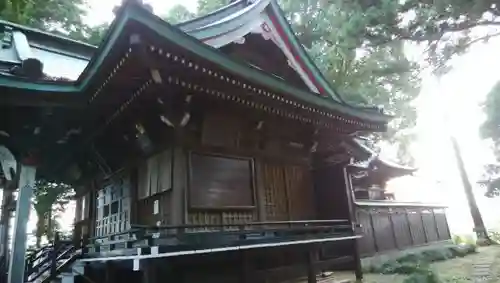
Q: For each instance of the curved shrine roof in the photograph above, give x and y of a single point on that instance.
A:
(370, 160)
(69, 60)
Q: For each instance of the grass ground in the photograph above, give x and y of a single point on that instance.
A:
(483, 266)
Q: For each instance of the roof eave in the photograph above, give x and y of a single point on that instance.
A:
(136, 13)
(213, 16)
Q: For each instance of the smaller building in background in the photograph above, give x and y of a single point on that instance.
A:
(387, 223)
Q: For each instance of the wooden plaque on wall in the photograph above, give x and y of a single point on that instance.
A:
(218, 182)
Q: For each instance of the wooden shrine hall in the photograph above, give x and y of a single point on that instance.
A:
(209, 151)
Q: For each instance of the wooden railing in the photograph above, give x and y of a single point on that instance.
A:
(175, 239)
(388, 225)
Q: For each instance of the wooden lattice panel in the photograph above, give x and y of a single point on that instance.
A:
(276, 204)
(113, 207)
(204, 218)
(219, 218)
(237, 218)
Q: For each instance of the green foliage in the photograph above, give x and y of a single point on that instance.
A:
(207, 6)
(57, 16)
(490, 129)
(494, 236)
(361, 73)
(49, 201)
(464, 239)
(423, 276)
(418, 262)
(179, 14)
(94, 35)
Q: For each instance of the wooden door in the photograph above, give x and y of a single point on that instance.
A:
(275, 198)
(299, 192)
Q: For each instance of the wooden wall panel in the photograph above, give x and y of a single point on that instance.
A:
(165, 171)
(442, 224)
(367, 242)
(143, 180)
(401, 228)
(398, 227)
(155, 175)
(331, 198)
(220, 130)
(153, 166)
(151, 217)
(384, 236)
(416, 226)
(145, 212)
(429, 225)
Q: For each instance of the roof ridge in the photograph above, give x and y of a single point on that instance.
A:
(4, 23)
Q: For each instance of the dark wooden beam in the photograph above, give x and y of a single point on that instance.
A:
(40, 99)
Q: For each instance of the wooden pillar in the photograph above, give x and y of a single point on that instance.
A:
(109, 272)
(353, 219)
(23, 207)
(311, 264)
(7, 200)
(178, 208)
(260, 190)
(246, 275)
(150, 271)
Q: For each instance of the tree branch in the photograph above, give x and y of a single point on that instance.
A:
(403, 34)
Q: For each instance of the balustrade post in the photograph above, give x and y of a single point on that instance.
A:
(390, 211)
(423, 225)
(436, 224)
(53, 255)
(407, 216)
(370, 214)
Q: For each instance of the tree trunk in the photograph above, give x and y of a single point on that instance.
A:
(40, 227)
(479, 227)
